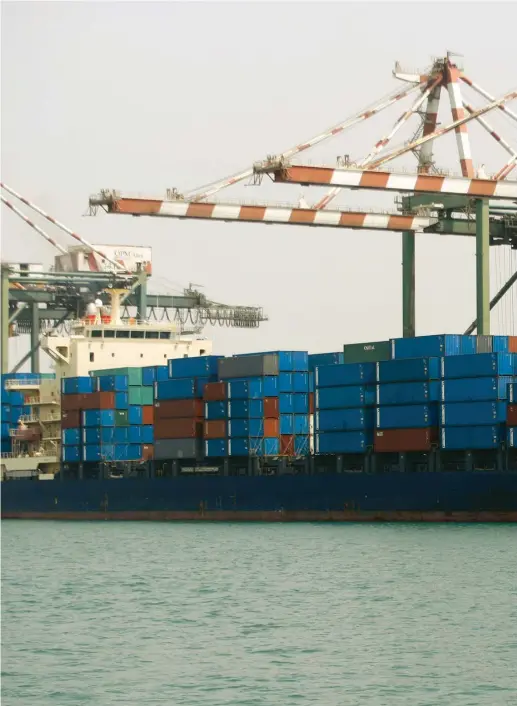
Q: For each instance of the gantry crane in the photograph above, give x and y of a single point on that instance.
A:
(434, 201)
(32, 300)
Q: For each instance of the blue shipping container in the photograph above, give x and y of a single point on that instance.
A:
(16, 413)
(256, 388)
(6, 411)
(71, 454)
(71, 437)
(475, 389)
(316, 359)
(216, 447)
(479, 365)
(134, 434)
(245, 409)
(343, 397)
(113, 383)
(216, 410)
(301, 445)
(121, 435)
(462, 414)
(14, 397)
(311, 382)
(98, 418)
(100, 435)
(78, 385)
(202, 366)
(121, 400)
(352, 419)
(426, 346)
(475, 437)
(154, 373)
(180, 389)
(301, 403)
(343, 442)
(5, 430)
(500, 344)
(288, 361)
(408, 370)
(134, 415)
(408, 393)
(468, 345)
(147, 434)
(346, 374)
(412, 416)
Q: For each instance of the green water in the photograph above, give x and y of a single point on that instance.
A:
(258, 615)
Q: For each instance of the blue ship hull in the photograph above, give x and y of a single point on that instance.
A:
(462, 496)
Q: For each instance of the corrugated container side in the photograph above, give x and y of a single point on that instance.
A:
(484, 344)
(216, 410)
(98, 417)
(346, 374)
(472, 437)
(178, 428)
(343, 397)
(271, 409)
(215, 429)
(215, 392)
(405, 393)
(343, 442)
(405, 440)
(244, 409)
(113, 383)
(121, 400)
(511, 415)
(352, 419)
(407, 416)
(426, 346)
(121, 417)
(408, 370)
(316, 359)
(171, 409)
(180, 388)
(512, 392)
(475, 389)
(369, 352)
(480, 365)
(70, 418)
(248, 366)
(500, 344)
(72, 403)
(201, 366)
(165, 449)
(148, 414)
(71, 454)
(461, 414)
(134, 414)
(216, 448)
(71, 437)
(512, 344)
(134, 375)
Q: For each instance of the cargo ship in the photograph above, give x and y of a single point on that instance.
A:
(421, 429)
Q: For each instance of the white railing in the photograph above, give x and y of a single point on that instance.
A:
(22, 382)
(35, 401)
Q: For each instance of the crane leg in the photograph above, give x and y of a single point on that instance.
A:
(408, 284)
(35, 339)
(5, 320)
(482, 267)
(142, 298)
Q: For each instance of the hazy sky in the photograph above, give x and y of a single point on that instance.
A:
(145, 96)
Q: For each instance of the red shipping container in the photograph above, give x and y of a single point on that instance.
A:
(99, 400)
(72, 402)
(147, 452)
(271, 408)
(400, 440)
(512, 344)
(215, 429)
(178, 428)
(215, 392)
(148, 414)
(70, 419)
(511, 415)
(271, 427)
(170, 409)
(311, 402)
(287, 445)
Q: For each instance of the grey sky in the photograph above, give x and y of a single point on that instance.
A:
(145, 96)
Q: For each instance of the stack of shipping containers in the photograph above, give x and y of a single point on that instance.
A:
(13, 407)
(76, 394)
(179, 407)
(511, 415)
(267, 406)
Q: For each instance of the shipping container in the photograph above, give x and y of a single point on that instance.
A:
(474, 366)
(154, 373)
(147, 452)
(178, 428)
(134, 434)
(300, 383)
(72, 403)
(120, 435)
(316, 359)
(78, 385)
(405, 440)
(134, 414)
(343, 442)
(512, 391)
(469, 345)
(6, 411)
(369, 352)
(512, 344)
(287, 445)
(170, 409)
(311, 381)
(475, 389)
(134, 375)
(286, 403)
(511, 415)
(99, 400)
(406, 416)
(71, 454)
(484, 344)
(245, 409)
(99, 435)
(70, 418)
(346, 374)
(215, 392)
(343, 397)
(15, 414)
(300, 404)
(254, 446)
(288, 361)
(148, 414)
(112, 383)
(14, 397)
(256, 388)
(5, 430)
(203, 366)
(121, 400)
(462, 414)
(170, 449)
(405, 393)
(140, 395)
(216, 410)
(426, 346)
(253, 427)
(180, 388)
(473, 437)
(271, 410)
(216, 448)
(71, 437)
(351, 419)
(248, 366)
(408, 370)
(301, 445)
(500, 344)
(147, 434)
(511, 437)
(215, 429)
(98, 418)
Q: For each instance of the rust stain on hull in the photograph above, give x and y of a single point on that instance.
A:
(271, 516)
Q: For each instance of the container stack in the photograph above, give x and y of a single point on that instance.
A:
(13, 407)
(474, 400)
(76, 394)
(511, 413)
(179, 407)
(344, 408)
(266, 406)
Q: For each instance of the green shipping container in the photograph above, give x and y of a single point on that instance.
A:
(121, 417)
(134, 375)
(147, 395)
(135, 395)
(370, 352)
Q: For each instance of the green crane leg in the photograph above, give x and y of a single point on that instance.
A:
(482, 267)
(408, 284)
(5, 320)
